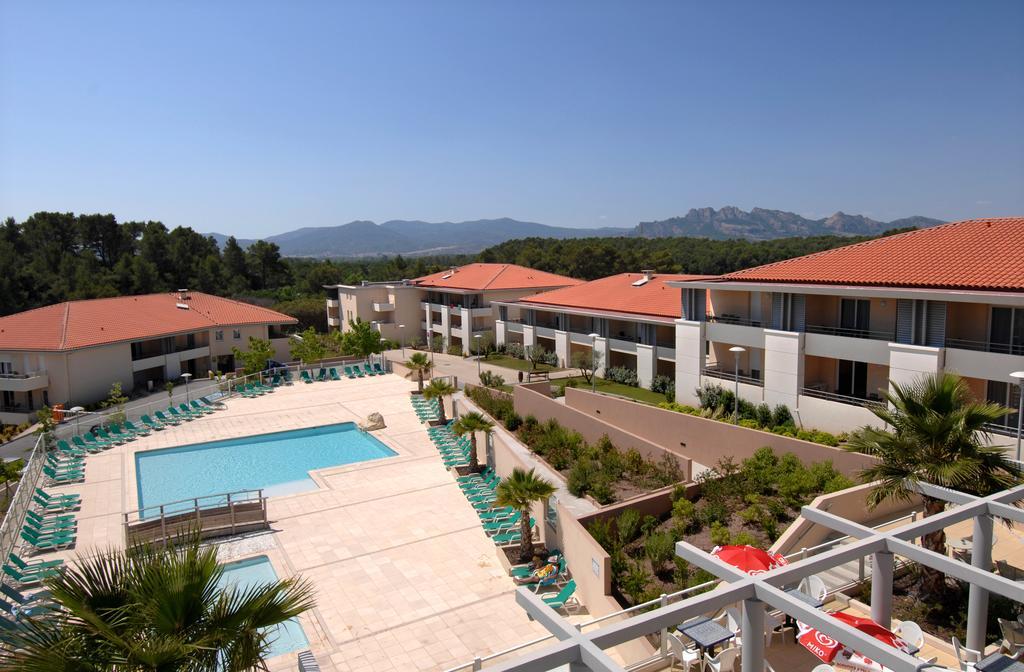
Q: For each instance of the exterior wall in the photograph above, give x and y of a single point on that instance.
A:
(689, 359)
(562, 347)
(987, 365)
(908, 362)
(93, 370)
(729, 302)
(844, 347)
(783, 367)
(968, 321)
(700, 439)
(646, 364)
(831, 416)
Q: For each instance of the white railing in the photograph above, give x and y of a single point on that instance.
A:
(669, 598)
(14, 519)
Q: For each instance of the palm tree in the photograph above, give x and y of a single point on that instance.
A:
(471, 423)
(419, 365)
(935, 425)
(520, 490)
(439, 389)
(148, 608)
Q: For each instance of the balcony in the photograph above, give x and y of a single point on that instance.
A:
(1016, 349)
(514, 327)
(718, 372)
(817, 393)
(333, 321)
(622, 345)
(24, 382)
(982, 359)
(383, 307)
(332, 303)
(838, 346)
(845, 332)
(666, 353)
(726, 318)
(16, 415)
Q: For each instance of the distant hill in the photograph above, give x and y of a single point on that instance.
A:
(419, 238)
(415, 238)
(762, 224)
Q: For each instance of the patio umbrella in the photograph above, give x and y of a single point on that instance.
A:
(748, 558)
(827, 649)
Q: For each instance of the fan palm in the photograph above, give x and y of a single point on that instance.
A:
(520, 490)
(934, 436)
(419, 365)
(471, 423)
(153, 609)
(439, 389)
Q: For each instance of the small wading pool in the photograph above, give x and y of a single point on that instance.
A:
(244, 574)
(279, 463)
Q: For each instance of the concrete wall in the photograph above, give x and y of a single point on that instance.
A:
(92, 372)
(700, 439)
(831, 416)
(533, 402)
(850, 504)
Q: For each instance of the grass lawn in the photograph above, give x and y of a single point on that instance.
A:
(638, 393)
(517, 364)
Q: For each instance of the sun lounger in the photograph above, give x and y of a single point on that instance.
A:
(378, 370)
(151, 423)
(121, 436)
(34, 566)
(334, 374)
(304, 375)
(321, 375)
(70, 498)
(200, 408)
(175, 413)
(64, 448)
(49, 541)
(168, 420)
(62, 477)
(369, 371)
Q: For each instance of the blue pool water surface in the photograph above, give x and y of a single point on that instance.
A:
(279, 463)
(287, 636)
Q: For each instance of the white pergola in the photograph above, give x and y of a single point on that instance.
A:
(586, 651)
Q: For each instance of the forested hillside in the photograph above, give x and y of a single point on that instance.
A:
(53, 257)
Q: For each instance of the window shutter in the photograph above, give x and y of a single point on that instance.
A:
(904, 321)
(798, 318)
(777, 301)
(936, 335)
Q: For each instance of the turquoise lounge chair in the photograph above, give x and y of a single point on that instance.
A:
(321, 375)
(34, 565)
(139, 431)
(52, 507)
(176, 414)
(562, 598)
(64, 477)
(63, 447)
(334, 374)
(305, 377)
(94, 441)
(187, 412)
(151, 423)
(369, 371)
(200, 408)
(59, 497)
(47, 542)
(378, 369)
(348, 372)
(27, 578)
(102, 433)
(167, 419)
(88, 447)
(123, 437)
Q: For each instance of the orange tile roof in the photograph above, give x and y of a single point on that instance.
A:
(480, 277)
(82, 324)
(617, 294)
(985, 254)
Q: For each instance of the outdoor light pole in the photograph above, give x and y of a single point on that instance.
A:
(1019, 377)
(593, 361)
(186, 376)
(77, 410)
(401, 328)
(736, 350)
(476, 342)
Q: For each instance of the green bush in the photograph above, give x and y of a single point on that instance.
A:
(513, 422)
(681, 571)
(720, 534)
(763, 415)
(649, 524)
(664, 385)
(601, 489)
(748, 423)
(659, 547)
(628, 525)
(744, 538)
(684, 515)
(781, 416)
(634, 582)
(605, 534)
(580, 478)
(712, 512)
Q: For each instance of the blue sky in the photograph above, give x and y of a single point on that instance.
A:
(255, 118)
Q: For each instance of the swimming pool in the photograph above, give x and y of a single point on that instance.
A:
(244, 574)
(279, 463)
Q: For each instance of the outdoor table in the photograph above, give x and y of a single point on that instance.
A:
(999, 662)
(706, 633)
(806, 599)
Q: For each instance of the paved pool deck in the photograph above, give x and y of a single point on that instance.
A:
(405, 577)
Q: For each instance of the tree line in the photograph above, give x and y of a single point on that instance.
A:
(52, 257)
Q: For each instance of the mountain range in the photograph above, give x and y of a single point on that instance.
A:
(417, 238)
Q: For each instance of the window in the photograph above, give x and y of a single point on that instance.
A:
(1007, 395)
(6, 368)
(236, 334)
(218, 335)
(1006, 331)
(854, 315)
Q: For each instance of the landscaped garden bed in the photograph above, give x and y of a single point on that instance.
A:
(747, 503)
(600, 470)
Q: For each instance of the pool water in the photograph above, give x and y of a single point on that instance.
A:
(285, 637)
(279, 463)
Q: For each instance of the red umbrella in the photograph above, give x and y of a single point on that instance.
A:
(826, 648)
(751, 560)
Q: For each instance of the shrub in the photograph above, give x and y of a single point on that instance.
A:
(634, 582)
(663, 384)
(678, 492)
(763, 415)
(684, 513)
(513, 422)
(720, 534)
(580, 478)
(711, 512)
(681, 571)
(781, 416)
(622, 374)
(659, 548)
(601, 490)
(748, 423)
(649, 525)
(491, 379)
(633, 461)
(604, 533)
(629, 525)
(744, 538)
(515, 350)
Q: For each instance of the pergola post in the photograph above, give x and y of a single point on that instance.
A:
(977, 601)
(752, 629)
(881, 587)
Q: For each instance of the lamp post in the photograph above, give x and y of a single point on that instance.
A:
(186, 376)
(1019, 377)
(401, 328)
(476, 346)
(593, 361)
(737, 351)
(77, 410)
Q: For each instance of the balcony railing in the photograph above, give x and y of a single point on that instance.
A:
(841, 398)
(22, 376)
(726, 318)
(986, 346)
(876, 335)
(716, 372)
(1005, 430)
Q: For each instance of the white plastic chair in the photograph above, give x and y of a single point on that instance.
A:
(824, 668)
(911, 633)
(967, 657)
(686, 656)
(770, 623)
(815, 587)
(725, 660)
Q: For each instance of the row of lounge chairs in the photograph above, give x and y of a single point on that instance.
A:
(49, 523)
(351, 372)
(427, 410)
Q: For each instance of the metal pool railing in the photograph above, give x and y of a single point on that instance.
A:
(14, 519)
(210, 516)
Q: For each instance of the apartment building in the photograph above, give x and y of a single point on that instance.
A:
(628, 319)
(455, 304)
(825, 333)
(72, 352)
